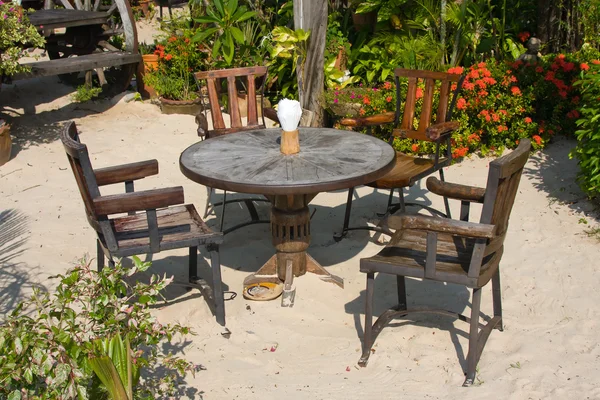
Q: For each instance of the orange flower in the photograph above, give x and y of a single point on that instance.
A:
(537, 139)
(461, 104)
(527, 120)
(584, 67)
(596, 62)
(361, 111)
(172, 39)
(168, 57)
(419, 93)
(415, 148)
(387, 85)
(366, 100)
(515, 91)
(388, 99)
(456, 70)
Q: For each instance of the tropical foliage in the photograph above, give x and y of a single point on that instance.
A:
(93, 338)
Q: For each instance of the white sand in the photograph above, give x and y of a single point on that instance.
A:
(549, 279)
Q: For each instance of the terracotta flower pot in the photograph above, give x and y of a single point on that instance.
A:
(345, 109)
(5, 143)
(150, 62)
(190, 107)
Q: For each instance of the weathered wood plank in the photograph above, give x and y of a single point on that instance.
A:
(64, 18)
(127, 172)
(77, 64)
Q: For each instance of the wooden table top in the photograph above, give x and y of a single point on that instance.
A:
(251, 162)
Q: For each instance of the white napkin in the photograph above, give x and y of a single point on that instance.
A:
(289, 113)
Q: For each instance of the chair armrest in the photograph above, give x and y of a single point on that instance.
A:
(202, 125)
(138, 201)
(126, 172)
(379, 119)
(434, 132)
(455, 191)
(442, 225)
(271, 113)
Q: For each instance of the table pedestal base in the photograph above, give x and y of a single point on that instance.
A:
(290, 234)
(268, 272)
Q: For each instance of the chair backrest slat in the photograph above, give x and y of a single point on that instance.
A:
(234, 108)
(442, 110)
(409, 105)
(234, 76)
(425, 120)
(215, 109)
(251, 103)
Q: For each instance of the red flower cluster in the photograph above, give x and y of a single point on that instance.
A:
(460, 152)
(573, 114)
(523, 36)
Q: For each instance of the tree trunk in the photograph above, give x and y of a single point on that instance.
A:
(312, 15)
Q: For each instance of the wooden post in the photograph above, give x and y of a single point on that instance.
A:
(289, 142)
(311, 15)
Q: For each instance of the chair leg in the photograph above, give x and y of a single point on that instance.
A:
(401, 283)
(339, 236)
(193, 264)
(209, 192)
(446, 202)
(99, 256)
(223, 211)
(368, 337)
(390, 199)
(497, 298)
(219, 297)
(473, 355)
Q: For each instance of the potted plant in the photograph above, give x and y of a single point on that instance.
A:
(178, 58)
(5, 142)
(149, 63)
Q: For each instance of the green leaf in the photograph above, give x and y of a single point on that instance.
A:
(208, 20)
(231, 6)
(219, 6)
(15, 395)
(229, 48)
(18, 346)
(144, 299)
(237, 34)
(366, 7)
(215, 50)
(200, 36)
(245, 16)
(105, 370)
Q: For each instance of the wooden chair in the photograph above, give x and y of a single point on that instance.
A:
(433, 127)
(247, 78)
(454, 251)
(164, 223)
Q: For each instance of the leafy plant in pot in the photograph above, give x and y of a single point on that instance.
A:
(173, 80)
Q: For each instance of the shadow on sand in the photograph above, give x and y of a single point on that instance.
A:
(15, 277)
(18, 102)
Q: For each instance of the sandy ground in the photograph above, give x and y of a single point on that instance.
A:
(548, 350)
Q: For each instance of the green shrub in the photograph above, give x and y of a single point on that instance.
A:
(47, 342)
(588, 134)
(85, 93)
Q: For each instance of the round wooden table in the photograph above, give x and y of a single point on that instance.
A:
(251, 162)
